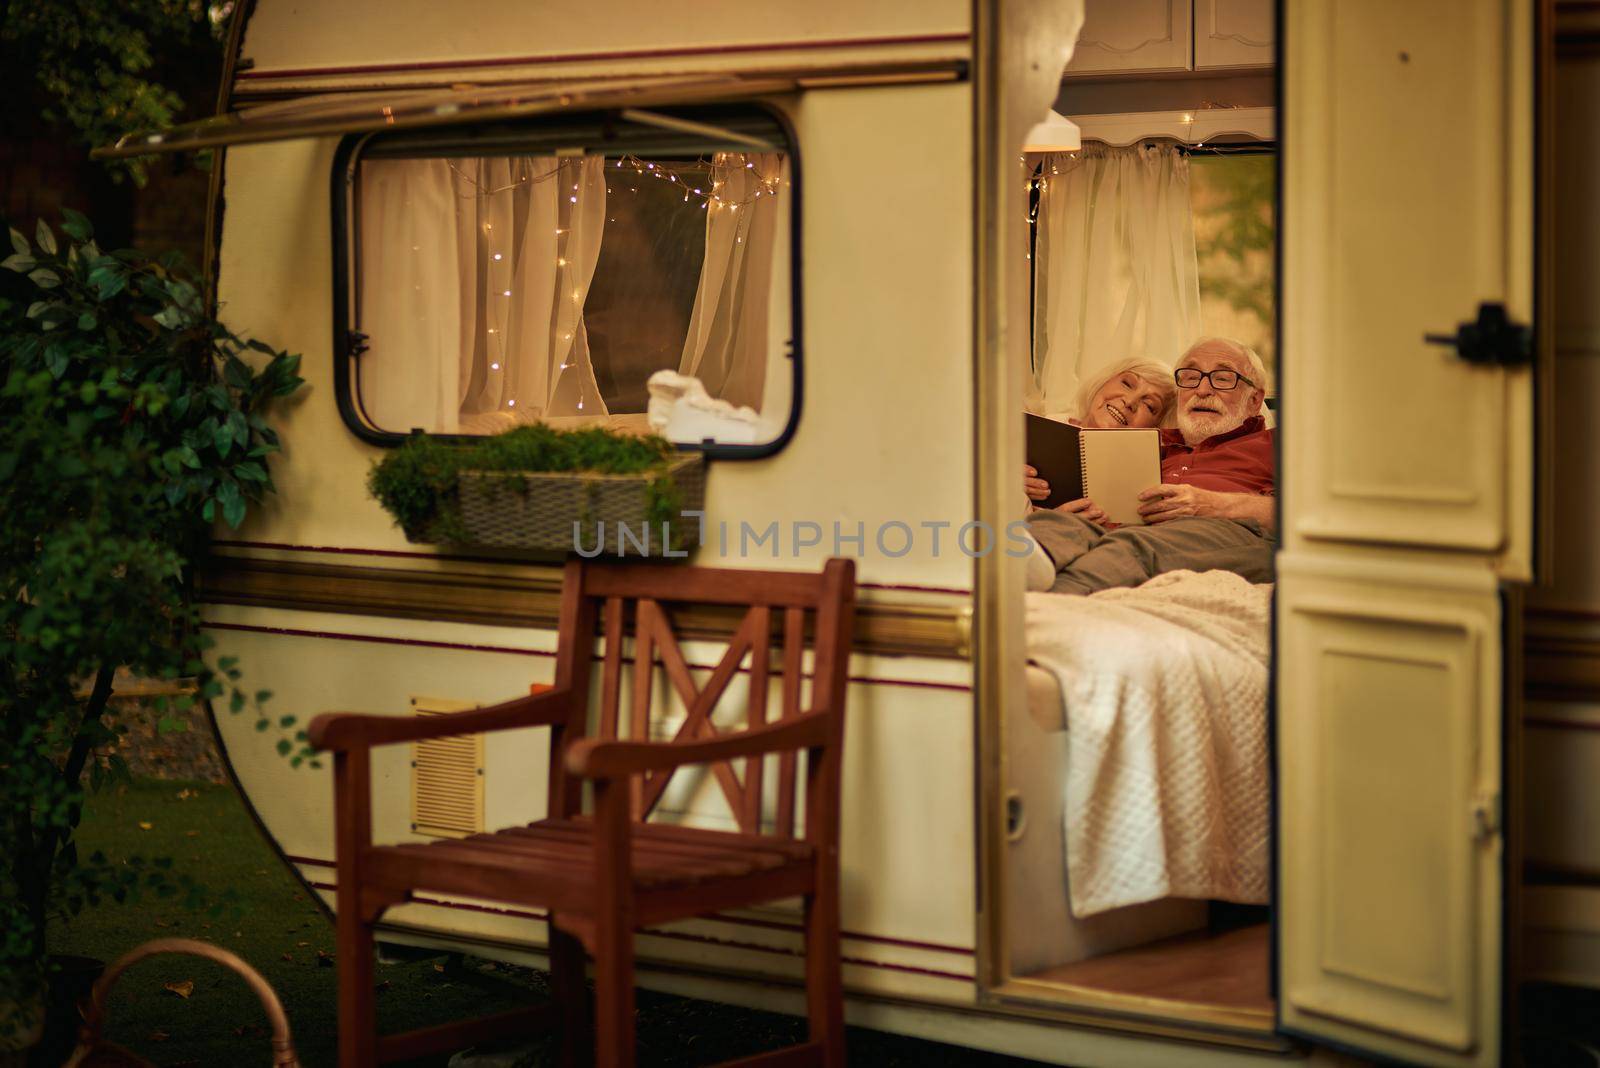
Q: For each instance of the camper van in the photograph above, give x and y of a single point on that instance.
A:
(860, 228)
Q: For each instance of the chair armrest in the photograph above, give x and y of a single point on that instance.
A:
(352, 730)
(595, 759)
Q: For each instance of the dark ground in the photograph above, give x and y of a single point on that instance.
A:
(207, 832)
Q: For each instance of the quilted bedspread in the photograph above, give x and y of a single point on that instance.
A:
(1164, 690)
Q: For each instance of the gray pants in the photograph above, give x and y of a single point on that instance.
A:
(1088, 557)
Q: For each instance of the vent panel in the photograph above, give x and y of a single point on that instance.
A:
(446, 776)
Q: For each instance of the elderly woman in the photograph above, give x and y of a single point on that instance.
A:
(1133, 393)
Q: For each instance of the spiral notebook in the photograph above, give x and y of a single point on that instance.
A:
(1110, 467)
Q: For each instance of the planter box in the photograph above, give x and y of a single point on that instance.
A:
(538, 510)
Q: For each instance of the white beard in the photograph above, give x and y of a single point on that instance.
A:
(1198, 426)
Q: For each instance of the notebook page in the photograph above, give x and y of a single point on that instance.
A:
(1118, 465)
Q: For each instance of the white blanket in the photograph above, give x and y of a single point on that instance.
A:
(1165, 694)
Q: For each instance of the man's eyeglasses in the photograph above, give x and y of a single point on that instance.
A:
(1222, 379)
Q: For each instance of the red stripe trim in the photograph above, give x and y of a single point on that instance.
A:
(925, 684)
(381, 639)
(721, 917)
(684, 936)
(408, 555)
(914, 588)
(590, 57)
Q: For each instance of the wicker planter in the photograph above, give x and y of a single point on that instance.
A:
(563, 511)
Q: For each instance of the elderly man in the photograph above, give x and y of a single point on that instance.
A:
(1214, 506)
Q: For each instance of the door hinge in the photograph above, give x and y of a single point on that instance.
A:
(1485, 817)
(1492, 340)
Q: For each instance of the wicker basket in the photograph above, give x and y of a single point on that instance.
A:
(94, 1052)
(560, 511)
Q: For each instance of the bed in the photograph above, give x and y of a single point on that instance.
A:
(1137, 782)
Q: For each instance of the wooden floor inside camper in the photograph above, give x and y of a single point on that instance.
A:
(1230, 970)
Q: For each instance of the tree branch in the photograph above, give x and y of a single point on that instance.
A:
(72, 770)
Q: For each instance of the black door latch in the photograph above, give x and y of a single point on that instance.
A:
(1492, 341)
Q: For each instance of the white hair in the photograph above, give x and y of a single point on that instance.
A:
(1158, 375)
(1239, 351)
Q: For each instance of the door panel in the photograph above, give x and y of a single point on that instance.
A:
(1407, 203)
(1389, 769)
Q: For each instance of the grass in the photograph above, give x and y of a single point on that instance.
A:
(284, 935)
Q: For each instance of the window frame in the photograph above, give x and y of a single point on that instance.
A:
(349, 342)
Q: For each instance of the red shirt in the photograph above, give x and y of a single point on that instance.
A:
(1240, 461)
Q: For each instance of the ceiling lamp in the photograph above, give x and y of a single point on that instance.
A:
(1056, 133)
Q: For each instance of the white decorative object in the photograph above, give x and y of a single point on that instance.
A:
(1195, 127)
(681, 410)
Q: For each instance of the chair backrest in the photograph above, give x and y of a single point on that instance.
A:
(648, 600)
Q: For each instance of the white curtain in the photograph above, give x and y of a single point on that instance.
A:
(473, 277)
(1115, 274)
(728, 340)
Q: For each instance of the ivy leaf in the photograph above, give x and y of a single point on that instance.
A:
(20, 262)
(233, 504)
(19, 244)
(171, 725)
(36, 309)
(87, 321)
(109, 279)
(76, 225)
(170, 317)
(43, 235)
(236, 373)
(44, 278)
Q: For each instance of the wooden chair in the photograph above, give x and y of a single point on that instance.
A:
(601, 876)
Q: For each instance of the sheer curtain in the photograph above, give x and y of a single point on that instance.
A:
(1115, 274)
(747, 220)
(473, 277)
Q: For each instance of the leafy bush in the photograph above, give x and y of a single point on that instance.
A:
(417, 482)
(130, 420)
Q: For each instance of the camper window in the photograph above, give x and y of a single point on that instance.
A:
(496, 277)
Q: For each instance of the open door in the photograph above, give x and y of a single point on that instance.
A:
(1407, 483)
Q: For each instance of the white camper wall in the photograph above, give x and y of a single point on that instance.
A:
(885, 433)
(885, 426)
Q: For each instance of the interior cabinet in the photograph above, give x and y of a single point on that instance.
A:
(1126, 36)
(1232, 33)
(1173, 36)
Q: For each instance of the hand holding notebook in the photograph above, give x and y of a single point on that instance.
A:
(1108, 466)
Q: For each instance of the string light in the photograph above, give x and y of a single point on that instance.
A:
(704, 173)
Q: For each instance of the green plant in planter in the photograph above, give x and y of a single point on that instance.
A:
(130, 420)
(417, 483)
